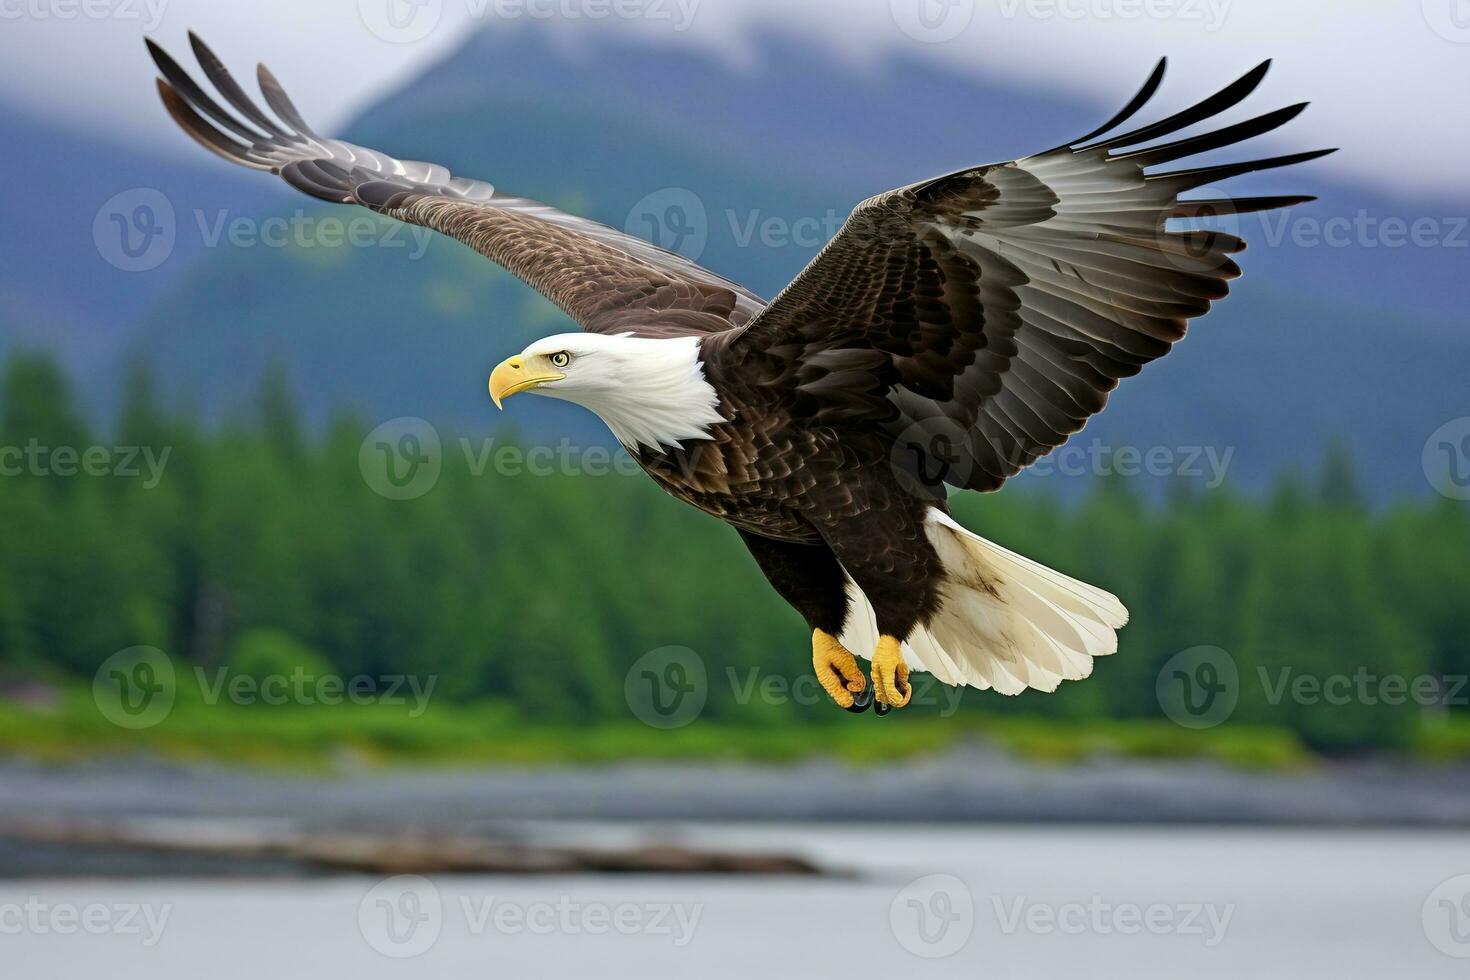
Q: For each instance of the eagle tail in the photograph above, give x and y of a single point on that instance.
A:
(1005, 622)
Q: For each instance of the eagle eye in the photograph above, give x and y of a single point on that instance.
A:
(561, 359)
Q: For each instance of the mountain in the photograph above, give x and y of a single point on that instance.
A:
(68, 285)
(1353, 338)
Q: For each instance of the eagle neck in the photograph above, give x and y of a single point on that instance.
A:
(659, 397)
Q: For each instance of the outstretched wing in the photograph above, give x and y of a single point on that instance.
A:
(982, 317)
(605, 280)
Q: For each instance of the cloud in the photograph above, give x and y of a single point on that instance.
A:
(1386, 80)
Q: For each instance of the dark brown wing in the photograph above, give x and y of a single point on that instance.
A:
(984, 316)
(607, 281)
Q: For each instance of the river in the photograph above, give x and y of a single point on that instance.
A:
(991, 901)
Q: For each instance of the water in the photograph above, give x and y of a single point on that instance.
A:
(1129, 903)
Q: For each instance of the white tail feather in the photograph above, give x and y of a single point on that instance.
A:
(1004, 621)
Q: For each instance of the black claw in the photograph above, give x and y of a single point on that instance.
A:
(882, 708)
(862, 700)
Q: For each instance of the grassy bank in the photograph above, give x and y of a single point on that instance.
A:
(327, 737)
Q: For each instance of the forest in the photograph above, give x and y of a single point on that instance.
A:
(526, 590)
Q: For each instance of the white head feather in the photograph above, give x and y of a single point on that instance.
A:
(651, 392)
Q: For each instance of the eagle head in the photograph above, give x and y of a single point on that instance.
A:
(651, 391)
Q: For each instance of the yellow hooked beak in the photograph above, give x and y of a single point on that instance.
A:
(515, 374)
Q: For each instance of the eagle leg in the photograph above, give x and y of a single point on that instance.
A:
(838, 672)
(890, 675)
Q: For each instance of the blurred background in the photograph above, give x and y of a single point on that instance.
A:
(313, 663)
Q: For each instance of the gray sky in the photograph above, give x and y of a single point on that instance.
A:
(1389, 79)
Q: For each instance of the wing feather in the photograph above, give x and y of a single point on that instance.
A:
(1010, 299)
(606, 280)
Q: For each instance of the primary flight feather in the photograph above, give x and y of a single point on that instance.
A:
(954, 331)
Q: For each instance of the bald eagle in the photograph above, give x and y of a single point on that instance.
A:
(952, 332)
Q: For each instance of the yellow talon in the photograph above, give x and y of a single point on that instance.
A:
(836, 668)
(890, 673)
